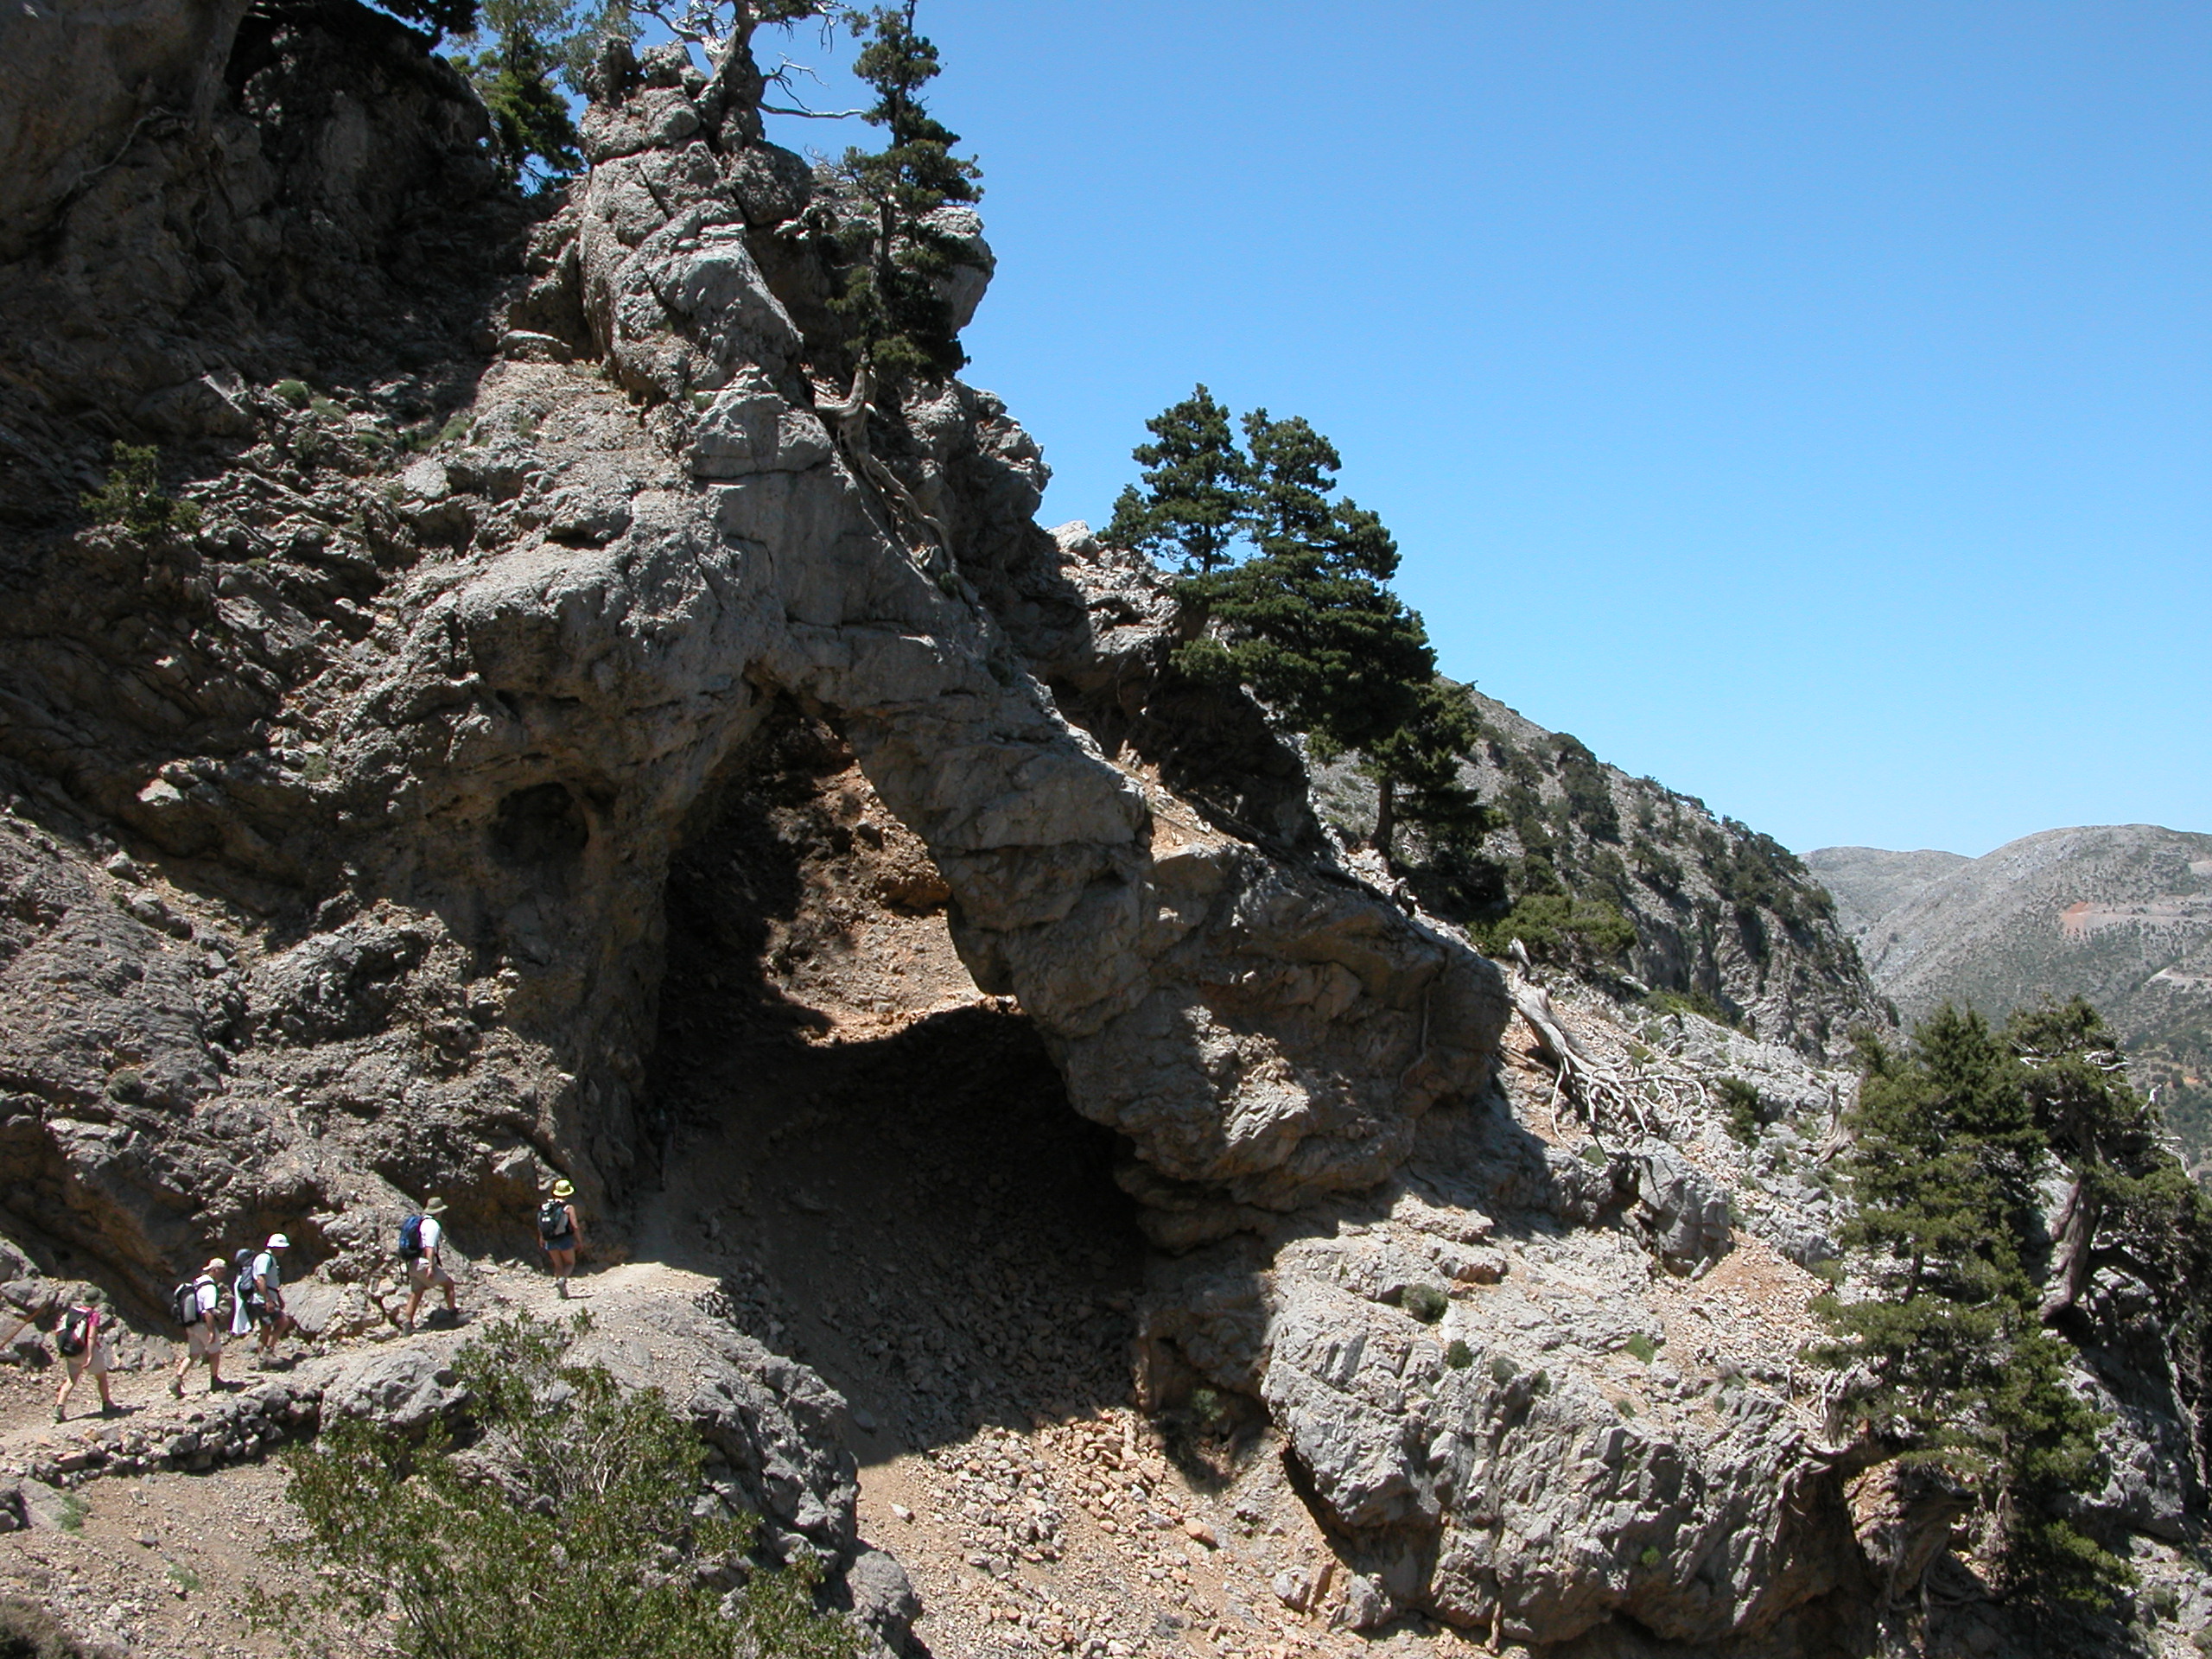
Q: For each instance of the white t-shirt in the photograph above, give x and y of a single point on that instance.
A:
(432, 1235)
(209, 1296)
(265, 1269)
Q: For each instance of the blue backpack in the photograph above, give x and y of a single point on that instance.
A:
(410, 1237)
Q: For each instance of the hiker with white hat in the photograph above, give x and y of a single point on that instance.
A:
(198, 1304)
(561, 1233)
(261, 1297)
(422, 1247)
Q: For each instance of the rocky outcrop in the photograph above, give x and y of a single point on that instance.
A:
(1723, 916)
(383, 818)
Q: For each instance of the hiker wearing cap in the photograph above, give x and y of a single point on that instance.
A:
(85, 1341)
(561, 1233)
(199, 1310)
(261, 1297)
(422, 1246)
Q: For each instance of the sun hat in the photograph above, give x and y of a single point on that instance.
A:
(433, 1205)
(216, 1264)
(564, 1189)
(277, 1242)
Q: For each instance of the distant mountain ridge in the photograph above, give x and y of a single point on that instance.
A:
(2118, 913)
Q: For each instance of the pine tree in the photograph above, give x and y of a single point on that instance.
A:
(1415, 771)
(533, 136)
(1946, 1149)
(1286, 497)
(1310, 625)
(895, 312)
(1193, 499)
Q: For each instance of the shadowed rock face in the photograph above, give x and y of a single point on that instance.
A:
(408, 755)
(339, 831)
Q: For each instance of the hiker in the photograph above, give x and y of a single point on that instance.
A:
(198, 1307)
(261, 1295)
(561, 1233)
(85, 1341)
(422, 1246)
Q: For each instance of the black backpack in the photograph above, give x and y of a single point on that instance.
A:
(552, 1217)
(242, 1274)
(410, 1237)
(184, 1302)
(74, 1335)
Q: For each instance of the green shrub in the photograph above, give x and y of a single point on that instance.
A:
(1540, 1382)
(1651, 1555)
(1502, 1370)
(73, 1512)
(1559, 929)
(297, 393)
(1746, 1115)
(1458, 1355)
(183, 1577)
(455, 1555)
(30, 1633)
(1625, 1406)
(133, 498)
(1643, 1347)
(1692, 1001)
(1425, 1302)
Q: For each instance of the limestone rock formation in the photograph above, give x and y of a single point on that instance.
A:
(337, 833)
(1720, 912)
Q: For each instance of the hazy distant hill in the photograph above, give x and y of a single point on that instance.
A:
(2121, 914)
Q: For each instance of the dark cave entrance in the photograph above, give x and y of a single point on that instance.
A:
(878, 1161)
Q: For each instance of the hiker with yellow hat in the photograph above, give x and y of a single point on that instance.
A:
(561, 1233)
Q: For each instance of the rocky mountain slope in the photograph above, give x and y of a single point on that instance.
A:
(577, 737)
(2119, 914)
(1723, 915)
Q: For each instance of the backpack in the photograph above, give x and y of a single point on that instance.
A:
(242, 1274)
(410, 1237)
(184, 1302)
(552, 1217)
(75, 1334)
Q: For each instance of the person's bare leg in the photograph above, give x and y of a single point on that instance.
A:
(414, 1303)
(61, 1400)
(176, 1382)
(107, 1400)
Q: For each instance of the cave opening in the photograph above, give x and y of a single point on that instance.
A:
(877, 1159)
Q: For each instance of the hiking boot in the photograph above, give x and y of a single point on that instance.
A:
(60, 1415)
(561, 1287)
(176, 1389)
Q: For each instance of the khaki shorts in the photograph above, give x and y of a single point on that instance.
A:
(423, 1274)
(204, 1340)
(100, 1358)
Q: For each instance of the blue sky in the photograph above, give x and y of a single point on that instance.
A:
(1806, 406)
